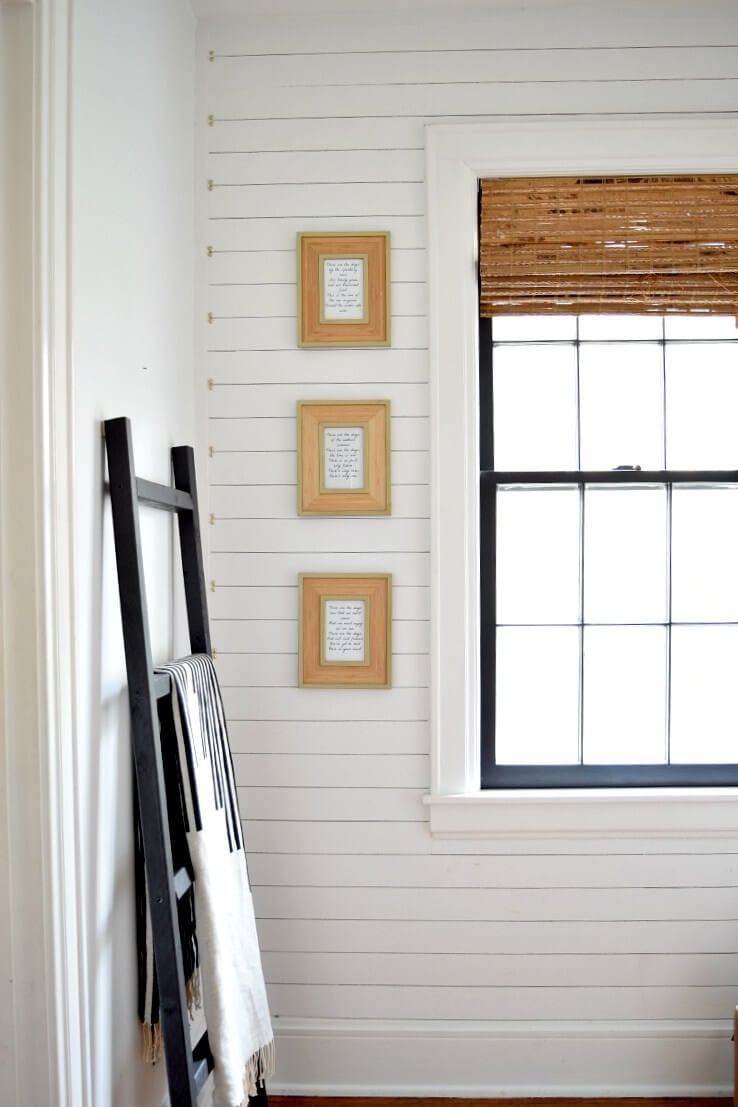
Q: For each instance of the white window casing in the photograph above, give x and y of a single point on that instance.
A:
(457, 156)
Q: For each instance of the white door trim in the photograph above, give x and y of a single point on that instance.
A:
(55, 496)
(46, 893)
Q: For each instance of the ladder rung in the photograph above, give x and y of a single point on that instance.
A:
(162, 685)
(162, 495)
(200, 1073)
(202, 1061)
(182, 883)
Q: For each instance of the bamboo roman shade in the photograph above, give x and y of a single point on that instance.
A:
(570, 245)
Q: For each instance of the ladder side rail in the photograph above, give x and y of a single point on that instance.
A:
(148, 765)
(190, 544)
(190, 547)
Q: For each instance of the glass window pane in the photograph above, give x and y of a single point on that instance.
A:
(537, 696)
(621, 406)
(534, 328)
(704, 556)
(535, 407)
(613, 327)
(624, 695)
(704, 695)
(700, 326)
(702, 406)
(538, 556)
(625, 555)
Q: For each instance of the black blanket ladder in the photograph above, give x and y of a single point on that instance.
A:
(187, 1068)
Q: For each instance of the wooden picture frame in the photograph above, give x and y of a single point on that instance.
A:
(345, 631)
(343, 457)
(343, 289)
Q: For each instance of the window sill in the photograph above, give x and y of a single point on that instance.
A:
(586, 813)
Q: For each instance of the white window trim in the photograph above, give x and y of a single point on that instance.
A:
(457, 156)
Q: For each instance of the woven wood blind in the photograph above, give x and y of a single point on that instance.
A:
(569, 245)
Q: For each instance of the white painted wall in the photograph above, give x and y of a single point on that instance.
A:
(132, 88)
(398, 964)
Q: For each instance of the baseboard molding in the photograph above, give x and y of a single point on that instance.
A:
(368, 1057)
(420, 1091)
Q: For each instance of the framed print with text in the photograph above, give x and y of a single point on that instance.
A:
(343, 289)
(343, 457)
(345, 635)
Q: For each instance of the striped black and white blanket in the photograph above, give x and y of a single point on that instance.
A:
(220, 948)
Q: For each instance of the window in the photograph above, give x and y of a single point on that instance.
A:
(609, 541)
(458, 156)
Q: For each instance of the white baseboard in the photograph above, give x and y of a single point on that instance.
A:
(365, 1057)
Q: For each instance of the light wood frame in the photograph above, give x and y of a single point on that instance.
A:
(375, 592)
(313, 418)
(372, 248)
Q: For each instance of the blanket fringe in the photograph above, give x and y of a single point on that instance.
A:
(153, 1042)
(193, 994)
(259, 1068)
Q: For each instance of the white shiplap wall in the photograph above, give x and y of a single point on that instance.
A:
(397, 964)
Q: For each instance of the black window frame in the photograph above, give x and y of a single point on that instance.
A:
(574, 775)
